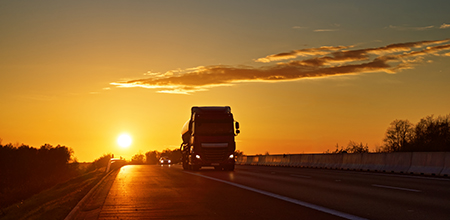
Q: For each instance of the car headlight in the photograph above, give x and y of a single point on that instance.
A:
(231, 156)
(169, 161)
(197, 156)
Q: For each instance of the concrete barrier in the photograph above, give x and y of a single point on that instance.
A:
(277, 160)
(261, 160)
(250, 160)
(373, 162)
(273, 160)
(285, 160)
(351, 162)
(334, 161)
(307, 160)
(241, 160)
(446, 169)
(319, 160)
(398, 162)
(427, 163)
(296, 160)
(269, 160)
(244, 160)
(255, 160)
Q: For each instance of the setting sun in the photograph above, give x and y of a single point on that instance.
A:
(124, 140)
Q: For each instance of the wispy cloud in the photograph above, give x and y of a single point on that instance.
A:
(325, 30)
(302, 53)
(316, 62)
(407, 28)
(444, 25)
(299, 27)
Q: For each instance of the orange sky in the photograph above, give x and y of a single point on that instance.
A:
(300, 76)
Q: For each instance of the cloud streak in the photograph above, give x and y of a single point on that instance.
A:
(404, 28)
(315, 62)
(444, 26)
(325, 30)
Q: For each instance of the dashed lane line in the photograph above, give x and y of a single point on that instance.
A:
(397, 188)
(301, 176)
(287, 199)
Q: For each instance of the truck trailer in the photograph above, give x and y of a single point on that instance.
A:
(208, 138)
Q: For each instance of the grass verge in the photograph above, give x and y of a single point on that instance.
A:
(53, 203)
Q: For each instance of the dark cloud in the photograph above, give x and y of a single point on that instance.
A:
(325, 61)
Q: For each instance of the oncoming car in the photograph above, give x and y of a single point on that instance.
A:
(164, 160)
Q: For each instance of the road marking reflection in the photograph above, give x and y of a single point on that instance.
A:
(397, 188)
(287, 199)
(301, 176)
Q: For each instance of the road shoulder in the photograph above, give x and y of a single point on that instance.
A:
(90, 209)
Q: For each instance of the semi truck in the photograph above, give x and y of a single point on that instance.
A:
(208, 138)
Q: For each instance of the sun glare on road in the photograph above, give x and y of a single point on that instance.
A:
(124, 140)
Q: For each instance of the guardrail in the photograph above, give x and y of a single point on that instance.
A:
(114, 163)
(423, 163)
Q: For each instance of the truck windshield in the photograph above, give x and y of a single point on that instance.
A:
(213, 128)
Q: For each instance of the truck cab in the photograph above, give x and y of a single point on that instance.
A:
(208, 138)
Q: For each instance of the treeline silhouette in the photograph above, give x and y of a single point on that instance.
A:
(352, 147)
(99, 162)
(25, 170)
(430, 134)
(152, 157)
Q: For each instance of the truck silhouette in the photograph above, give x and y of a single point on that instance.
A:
(208, 138)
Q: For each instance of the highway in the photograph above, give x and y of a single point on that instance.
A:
(257, 192)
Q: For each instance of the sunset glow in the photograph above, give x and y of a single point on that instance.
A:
(299, 76)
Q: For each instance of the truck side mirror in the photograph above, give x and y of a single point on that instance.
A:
(237, 125)
(237, 131)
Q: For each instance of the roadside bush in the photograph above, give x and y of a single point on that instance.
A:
(25, 170)
(100, 162)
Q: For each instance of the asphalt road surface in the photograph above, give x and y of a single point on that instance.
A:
(253, 192)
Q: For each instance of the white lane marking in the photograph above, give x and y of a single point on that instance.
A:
(287, 199)
(301, 176)
(398, 188)
(396, 175)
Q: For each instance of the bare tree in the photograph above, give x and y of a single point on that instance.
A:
(399, 135)
(353, 147)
